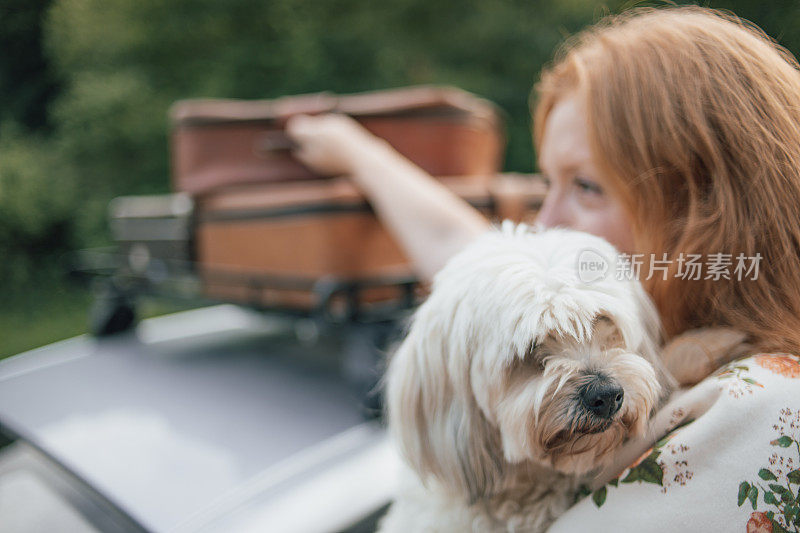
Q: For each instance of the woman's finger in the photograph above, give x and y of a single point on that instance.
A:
(295, 125)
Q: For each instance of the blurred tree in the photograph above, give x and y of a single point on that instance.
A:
(27, 85)
(36, 211)
(123, 62)
(34, 222)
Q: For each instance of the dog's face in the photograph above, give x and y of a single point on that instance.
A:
(514, 359)
(566, 402)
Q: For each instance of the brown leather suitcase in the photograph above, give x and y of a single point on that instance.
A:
(444, 130)
(273, 244)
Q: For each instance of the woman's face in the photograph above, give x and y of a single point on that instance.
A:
(578, 196)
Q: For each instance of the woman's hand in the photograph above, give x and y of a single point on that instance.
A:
(329, 144)
(429, 221)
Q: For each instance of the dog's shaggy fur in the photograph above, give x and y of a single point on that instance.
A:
(486, 396)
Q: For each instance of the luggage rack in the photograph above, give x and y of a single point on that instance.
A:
(367, 329)
(334, 300)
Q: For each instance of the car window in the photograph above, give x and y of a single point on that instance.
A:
(27, 503)
(37, 495)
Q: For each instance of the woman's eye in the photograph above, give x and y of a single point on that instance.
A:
(588, 186)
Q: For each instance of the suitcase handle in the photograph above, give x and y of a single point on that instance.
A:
(273, 143)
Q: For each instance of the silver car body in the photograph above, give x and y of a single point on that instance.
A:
(215, 419)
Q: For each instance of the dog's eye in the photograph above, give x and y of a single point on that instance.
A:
(534, 356)
(608, 332)
(603, 319)
(531, 351)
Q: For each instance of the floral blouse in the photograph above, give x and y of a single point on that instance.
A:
(729, 460)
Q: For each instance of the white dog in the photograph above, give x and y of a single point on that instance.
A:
(517, 379)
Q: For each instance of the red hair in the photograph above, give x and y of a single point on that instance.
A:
(694, 117)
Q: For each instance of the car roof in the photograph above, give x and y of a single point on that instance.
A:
(193, 417)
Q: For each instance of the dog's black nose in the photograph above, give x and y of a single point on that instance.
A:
(602, 397)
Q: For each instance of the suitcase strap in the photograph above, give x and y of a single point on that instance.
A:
(273, 142)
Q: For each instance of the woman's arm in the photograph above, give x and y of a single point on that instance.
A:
(430, 222)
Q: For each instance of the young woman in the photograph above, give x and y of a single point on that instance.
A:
(675, 134)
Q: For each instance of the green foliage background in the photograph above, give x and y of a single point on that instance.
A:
(86, 85)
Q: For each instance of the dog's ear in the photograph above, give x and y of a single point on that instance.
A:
(432, 412)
